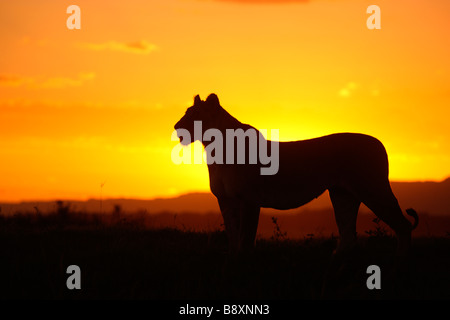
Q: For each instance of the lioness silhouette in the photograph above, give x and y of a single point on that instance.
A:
(353, 167)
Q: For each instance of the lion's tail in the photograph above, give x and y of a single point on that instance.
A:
(413, 213)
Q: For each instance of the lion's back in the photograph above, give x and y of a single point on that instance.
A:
(330, 158)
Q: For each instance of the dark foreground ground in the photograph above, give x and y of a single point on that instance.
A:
(128, 262)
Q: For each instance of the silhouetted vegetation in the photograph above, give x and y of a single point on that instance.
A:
(379, 231)
(277, 233)
(122, 256)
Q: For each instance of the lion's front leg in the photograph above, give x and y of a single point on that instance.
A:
(241, 223)
(249, 215)
(231, 218)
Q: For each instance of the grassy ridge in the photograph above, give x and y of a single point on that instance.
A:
(126, 261)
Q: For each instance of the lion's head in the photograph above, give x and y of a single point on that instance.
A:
(204, 111)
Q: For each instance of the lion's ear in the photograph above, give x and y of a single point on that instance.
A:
(197, 100)
(213, 100)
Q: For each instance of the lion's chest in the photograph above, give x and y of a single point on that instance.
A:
(233, 181)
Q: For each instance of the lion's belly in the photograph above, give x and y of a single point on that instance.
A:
(284, 199)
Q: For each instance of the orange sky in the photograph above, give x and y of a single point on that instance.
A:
(79, 108)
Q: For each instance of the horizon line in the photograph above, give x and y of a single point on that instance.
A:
(165, 197)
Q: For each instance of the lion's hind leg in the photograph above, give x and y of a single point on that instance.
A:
(382, 201)
(384, 204)
(346, 207)
(341, 269)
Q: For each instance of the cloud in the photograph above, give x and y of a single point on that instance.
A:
(137, 47)
(64, 82)
(348, 90)
(52, 82)
(353, 88)
(7, 80)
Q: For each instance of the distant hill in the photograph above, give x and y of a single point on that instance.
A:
(430, 197)
(191, 202)
(427, 197)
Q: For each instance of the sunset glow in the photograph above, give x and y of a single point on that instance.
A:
(96, 106)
